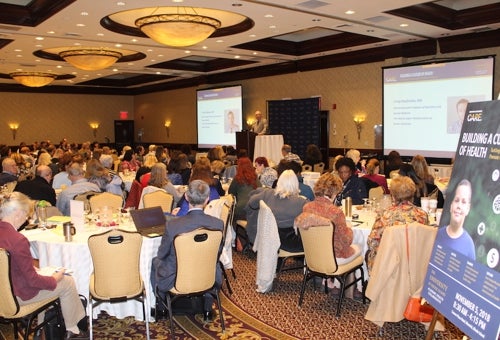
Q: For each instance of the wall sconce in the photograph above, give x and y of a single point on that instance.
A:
(13, 127)
(358, 121)
(250, 122)
(167, 127)
(94, 127)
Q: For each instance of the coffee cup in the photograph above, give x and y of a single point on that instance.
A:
(69, 230)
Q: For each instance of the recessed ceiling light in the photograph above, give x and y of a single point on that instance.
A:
(272, 26)
(84, 13)
(252, 35)
(120, 3)
(17, 50)
(255, 53)
(160, 55)
(100, 34)
(219, 41)
(158, 72)
(178, 1)
(236, 57)
(268, 16)
(80, 25)
(149, 50)
(59, 66)
(51, 32)
(187, 51)
(133, 40)
(39, 38)
(19, 55)
(38, 45)
(130, 64)
(118, 45)
(403, 25)
(204, 47)
(349, 12)
(115, 70)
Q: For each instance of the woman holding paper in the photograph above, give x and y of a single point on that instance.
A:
(29, 286)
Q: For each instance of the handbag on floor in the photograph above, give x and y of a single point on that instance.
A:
(416, 309)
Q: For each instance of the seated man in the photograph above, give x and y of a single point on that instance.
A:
(79, 185)
(39, 187)
(10, 171)
(164, 265)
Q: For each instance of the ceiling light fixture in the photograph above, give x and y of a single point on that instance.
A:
(184, 28)
(33, 79)
(91, 59)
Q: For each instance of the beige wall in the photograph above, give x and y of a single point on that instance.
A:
(57, 116)
(354, 89)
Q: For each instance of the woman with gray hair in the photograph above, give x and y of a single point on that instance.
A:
(402, 211)
(286, 205)
(29, 286)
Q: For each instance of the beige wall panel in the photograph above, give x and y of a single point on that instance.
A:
(57, 116)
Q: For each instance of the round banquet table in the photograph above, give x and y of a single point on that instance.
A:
(49, 247)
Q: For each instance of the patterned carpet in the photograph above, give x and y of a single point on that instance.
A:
(275, 315)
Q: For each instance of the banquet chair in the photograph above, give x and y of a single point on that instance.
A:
(85, 198)
(267, 245)
(105, 199)
(11, 311)
(319, 167)
(197, 255)
(321, 261)
(307, 167)
(116, 276)
(159, 198)
(376, 193)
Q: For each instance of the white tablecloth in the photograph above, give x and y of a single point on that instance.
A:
(269, 146)
(49, 248)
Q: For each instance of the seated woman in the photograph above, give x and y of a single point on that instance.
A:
(265, 172)
(28, 285)
(106, 180)
(201, 170)
(243, 183)
(423, 189)
(313, 155)
(286, 205)
(353, 185)
(149, 161)
(129, 162)
(325, 190)
(403, 211)
(372, 174)
(159, 179)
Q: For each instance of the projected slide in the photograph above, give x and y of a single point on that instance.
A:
(424, 105)
(219, 115)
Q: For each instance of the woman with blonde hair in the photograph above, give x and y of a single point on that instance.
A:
(160, 180)
(286, 205)
(96, 173)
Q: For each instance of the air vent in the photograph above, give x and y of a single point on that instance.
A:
(312, 4)
(70, 34)
(343, 26)
(378, 18)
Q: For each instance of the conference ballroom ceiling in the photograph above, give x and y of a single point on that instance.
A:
(255, 39)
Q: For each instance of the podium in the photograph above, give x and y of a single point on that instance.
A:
(246, 140)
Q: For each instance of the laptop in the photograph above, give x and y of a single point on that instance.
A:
(149, 222)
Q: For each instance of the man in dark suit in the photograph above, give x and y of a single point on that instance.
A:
(164, 265)
(39, 188)
(10, 171)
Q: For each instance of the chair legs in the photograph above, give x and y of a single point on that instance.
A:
(226, 279)
(343, 286)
